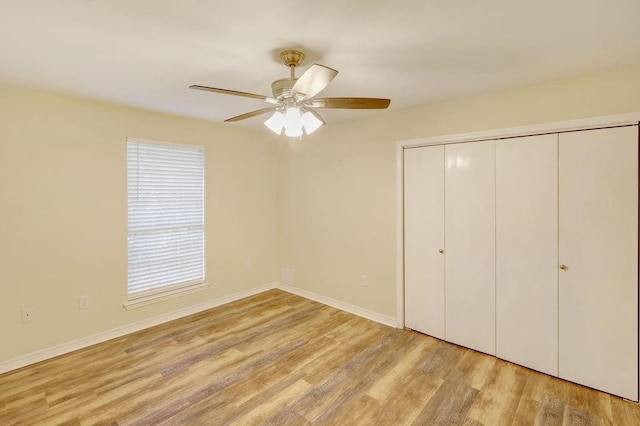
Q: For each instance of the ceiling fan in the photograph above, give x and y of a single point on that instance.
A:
(293, 103)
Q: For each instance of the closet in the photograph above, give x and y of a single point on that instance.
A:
(527, 248)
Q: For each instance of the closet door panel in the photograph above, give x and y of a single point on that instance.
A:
(598, 289)
(527, 251)
(470, 245)
(423, 238)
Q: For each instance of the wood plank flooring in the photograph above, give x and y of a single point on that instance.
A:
(276, 358)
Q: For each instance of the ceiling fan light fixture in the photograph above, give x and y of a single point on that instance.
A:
(310, 122)
(292, 117)
(293, 122)
(275, 123)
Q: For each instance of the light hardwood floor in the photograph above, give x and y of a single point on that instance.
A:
(277, 358)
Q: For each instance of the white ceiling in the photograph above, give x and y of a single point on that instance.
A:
(146, 53)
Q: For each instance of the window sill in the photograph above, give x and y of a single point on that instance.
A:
(166, 295)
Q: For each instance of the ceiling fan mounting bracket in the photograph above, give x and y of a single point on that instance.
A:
(292, 58)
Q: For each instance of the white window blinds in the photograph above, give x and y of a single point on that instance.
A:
(165, 187)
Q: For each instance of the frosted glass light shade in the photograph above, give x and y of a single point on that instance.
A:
(293, 132)
(292, 117)
(275, 122)
(310, 122)
(293, 122)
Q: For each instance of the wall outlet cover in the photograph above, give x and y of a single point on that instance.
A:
(288, 275)
(83, 302)
(364, 281)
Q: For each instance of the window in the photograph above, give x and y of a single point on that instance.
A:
(165, 205)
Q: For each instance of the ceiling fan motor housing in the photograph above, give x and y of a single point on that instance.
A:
(282, 88)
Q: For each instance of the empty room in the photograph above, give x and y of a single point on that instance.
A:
(336, 213)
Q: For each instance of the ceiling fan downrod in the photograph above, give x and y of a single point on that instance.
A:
(292, 59)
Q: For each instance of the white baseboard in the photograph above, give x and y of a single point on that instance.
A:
(356, 310)
(74, 345)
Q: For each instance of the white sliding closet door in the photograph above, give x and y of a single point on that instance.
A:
(598, 254)
(423, 238)
(527, 251)
(470, 245)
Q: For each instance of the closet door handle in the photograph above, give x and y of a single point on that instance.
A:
(563, 267)
(441, 251)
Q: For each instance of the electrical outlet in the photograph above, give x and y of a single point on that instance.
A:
(288, 275)
(364, 281)
(27, 314)
(83, 302)
(248, 265)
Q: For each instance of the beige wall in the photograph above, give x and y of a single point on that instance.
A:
(63, 223)
(325, 205)
(337, 188)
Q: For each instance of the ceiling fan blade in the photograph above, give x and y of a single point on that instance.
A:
(234, 92)
(250, 114)
(350, 103)
(314, 80)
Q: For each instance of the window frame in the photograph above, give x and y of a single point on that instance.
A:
(169, 291)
